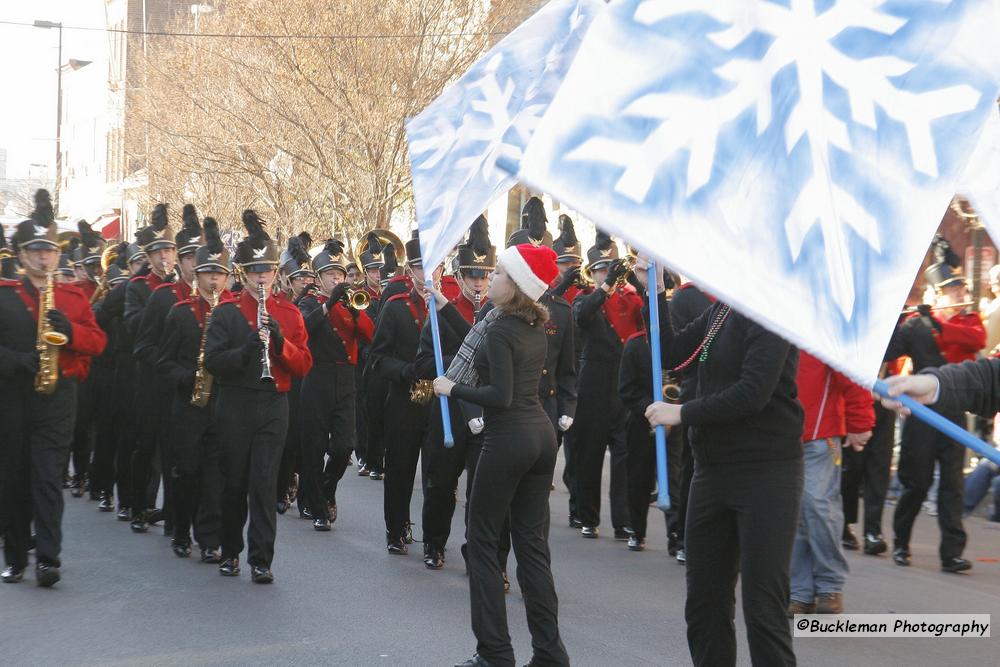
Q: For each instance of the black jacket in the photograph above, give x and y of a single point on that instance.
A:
(635, 378)
(397, 338)
(914, 338)
(688, 303)
(746, 406)
(971, 386)
(178, 351)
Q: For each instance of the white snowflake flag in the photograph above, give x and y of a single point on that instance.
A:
(791, 156)
(981, 181)
(488, 113)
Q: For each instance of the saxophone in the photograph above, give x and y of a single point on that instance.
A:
(421, 392)
(48, 341)
(203, 379)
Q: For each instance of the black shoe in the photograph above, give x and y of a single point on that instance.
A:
(322, 524)
(46, 575)
(901, 556)
(848, 540)
(376, 475)
(674, 542)
(261, 575)
(956, 565)
(433, 558)
(283, 505)
(139, 526)
(363, 471)
(211, 555)
(396, 547)
(590, 532)
(506, 582)
(408, 533)
(636, 543)
(574, 522)
(874, 544)
(181, 549)
(107, 503)
(230, 567)
(623, 533)
(681, 556)
(154, 516)
(124, 514)
(475, 661)
(12, 575)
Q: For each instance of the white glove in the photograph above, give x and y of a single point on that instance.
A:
(476, 425)
(565, 422)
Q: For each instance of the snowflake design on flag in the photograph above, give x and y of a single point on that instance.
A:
(805, 38)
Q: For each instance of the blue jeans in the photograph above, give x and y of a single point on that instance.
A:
(978, 482)
(818, 563)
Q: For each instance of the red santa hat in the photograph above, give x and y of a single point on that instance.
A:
(531, 268)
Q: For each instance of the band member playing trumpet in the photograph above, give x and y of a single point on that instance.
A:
(606, 317)
(256, 344)
(153, 428)
(191, 429)
(336, 323)
(393, 352)
(43, 357)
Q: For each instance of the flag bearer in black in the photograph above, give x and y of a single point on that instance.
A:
(156, 240)
(606, 316)
(109, 411)
(96, 387)
(393, 352)
(514, 476)
(335, 328)
(297, 270)
(38, 415)
(746, 424)
(191, 428)
(154, 423)
(253, 351)
(443, 466)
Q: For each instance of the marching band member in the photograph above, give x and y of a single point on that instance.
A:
(42, 359)
(191, 428)
(371, 261)
(950, 335)
(606, 317)
(161, 255)
(335, 327)
(393, 352)
(514, 474)
(253, 350)
(295, 266)
(153, 430)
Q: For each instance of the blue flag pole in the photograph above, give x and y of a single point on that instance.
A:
(662, 482)
(449, 439)
(931, 418)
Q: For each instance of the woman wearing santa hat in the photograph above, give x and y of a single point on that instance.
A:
(498, 367)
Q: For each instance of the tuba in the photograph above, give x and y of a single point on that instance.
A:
(48, 341)
(108, 257)
(203, 379)
(384, 236)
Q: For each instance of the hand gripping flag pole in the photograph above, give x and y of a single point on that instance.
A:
(662, 482)
(933, 419)
(449, 439)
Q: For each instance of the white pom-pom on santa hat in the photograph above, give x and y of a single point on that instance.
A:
(532, 268)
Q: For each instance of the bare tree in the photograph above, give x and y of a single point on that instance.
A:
(308, 130)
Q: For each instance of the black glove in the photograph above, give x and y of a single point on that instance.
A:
(337, 293)
(252, 347)
(60, 323)
(310, 290)
(28, 362)
(925, 311)
(615, 271)
(567, 280)
(277, 340)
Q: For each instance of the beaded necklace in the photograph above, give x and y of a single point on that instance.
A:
(701, 353)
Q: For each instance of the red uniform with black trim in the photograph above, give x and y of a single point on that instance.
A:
(962, 336)
(467, 307)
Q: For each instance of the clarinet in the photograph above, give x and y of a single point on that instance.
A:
(265, 359)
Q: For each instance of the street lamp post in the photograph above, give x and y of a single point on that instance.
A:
(58, 184)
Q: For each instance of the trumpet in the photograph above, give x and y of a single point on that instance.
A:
(357, 299)
(265, 359)
(628, 261)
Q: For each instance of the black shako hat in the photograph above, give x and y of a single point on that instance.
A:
(476, 257)
(213, 257)
(40, 227)
(602, 253)
(256, 253)
(295, 259)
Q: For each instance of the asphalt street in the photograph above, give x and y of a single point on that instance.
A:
(340, 599)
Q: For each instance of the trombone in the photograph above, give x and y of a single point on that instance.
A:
(963, 304)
